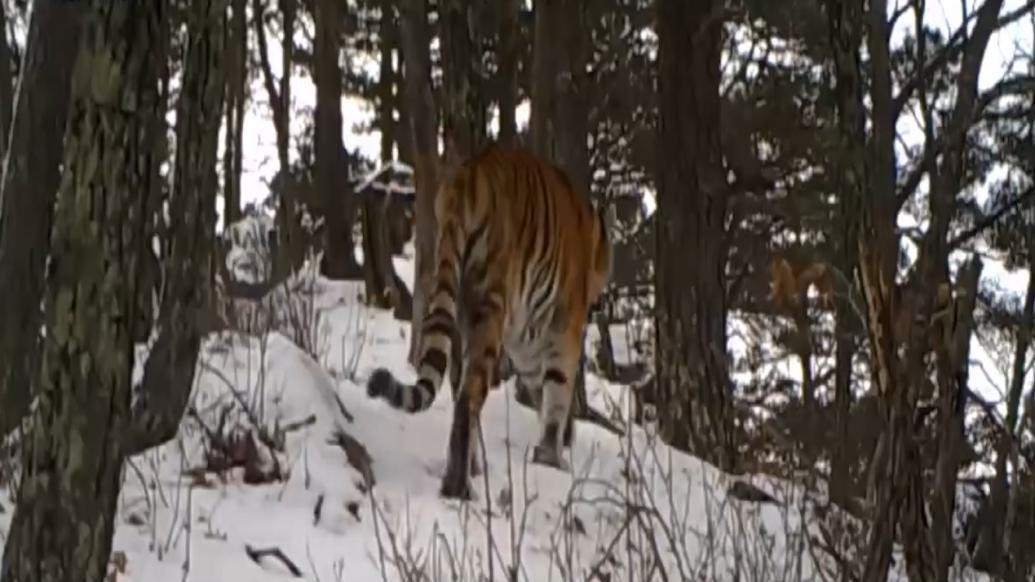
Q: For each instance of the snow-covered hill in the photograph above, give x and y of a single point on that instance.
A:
(629, 509)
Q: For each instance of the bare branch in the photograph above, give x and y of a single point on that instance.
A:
(991, 219)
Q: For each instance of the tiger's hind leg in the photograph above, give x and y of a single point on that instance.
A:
(481, 354)
(555, 407)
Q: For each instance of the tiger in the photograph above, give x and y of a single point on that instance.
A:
(522, 257)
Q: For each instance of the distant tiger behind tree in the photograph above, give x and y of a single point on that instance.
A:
(520, 258)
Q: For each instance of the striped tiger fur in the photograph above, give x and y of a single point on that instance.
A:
(521, 258)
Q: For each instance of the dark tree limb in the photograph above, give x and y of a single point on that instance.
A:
(257, 554)
(990, 220)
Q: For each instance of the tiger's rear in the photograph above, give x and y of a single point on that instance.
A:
(521, 256)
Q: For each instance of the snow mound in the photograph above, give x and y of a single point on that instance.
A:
(629, 506)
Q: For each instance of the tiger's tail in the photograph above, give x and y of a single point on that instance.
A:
(439, 321)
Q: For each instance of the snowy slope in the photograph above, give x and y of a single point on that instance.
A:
(176, 522)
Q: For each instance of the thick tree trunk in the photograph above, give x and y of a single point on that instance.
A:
(63, 524)
(30, 181)
(695, 401)
(339, 260)
(165, 389)
(416, 39)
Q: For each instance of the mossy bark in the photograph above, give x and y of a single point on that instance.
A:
(31, 178)
(63, 524)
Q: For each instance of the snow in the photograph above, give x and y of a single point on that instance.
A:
(176, 523)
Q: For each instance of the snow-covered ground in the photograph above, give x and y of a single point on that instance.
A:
(615, 513)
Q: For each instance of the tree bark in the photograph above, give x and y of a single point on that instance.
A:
(546, 14)
(236, 96)
(339, 260)
(870, 203)
(63, 524)
(416, 39)
(6, 84)
(695, 401)
(30, 181)
(464, 109)
(384, 288)
(162, 396)
(951, 351)
(509, 38)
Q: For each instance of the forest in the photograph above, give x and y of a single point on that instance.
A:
(813, 358)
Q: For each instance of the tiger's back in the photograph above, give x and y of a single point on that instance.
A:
(521, 256)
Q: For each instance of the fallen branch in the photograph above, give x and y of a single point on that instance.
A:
(257, 554)
(357, 456)
(293, 426)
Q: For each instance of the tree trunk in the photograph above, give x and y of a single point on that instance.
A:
(844, 356)
(63, 524)
(464, 109)
(236, 95)
(509, 38)
(339, 259)
(289, 235)
(6, 84)
(695, 401)
(951, 351)
(30, 181)
(416, 39)
(870, 203)
(168, 378)
(384, 288)
(546, 15)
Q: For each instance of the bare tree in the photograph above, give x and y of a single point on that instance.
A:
(695, 400)
(937, 322)
(290, 247)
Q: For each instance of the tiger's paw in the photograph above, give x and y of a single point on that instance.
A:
(550, 457)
